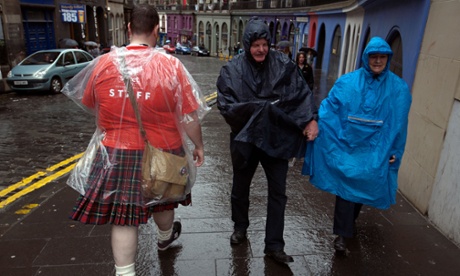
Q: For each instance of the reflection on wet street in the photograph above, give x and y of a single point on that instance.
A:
(37, 131)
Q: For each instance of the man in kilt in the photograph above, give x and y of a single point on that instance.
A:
(170, 106)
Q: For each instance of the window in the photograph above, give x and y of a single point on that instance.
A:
(110, 29)
(68, 58)
(82, 57)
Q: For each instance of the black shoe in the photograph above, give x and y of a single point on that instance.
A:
(238, 237)
(279, 256)
(340, 244)
(177, 229)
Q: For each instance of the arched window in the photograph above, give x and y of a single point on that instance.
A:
(396, 64)
(225, 45)
(334, 57)
(111, 36)
(116, 39)
(163, 24)
(278, 32)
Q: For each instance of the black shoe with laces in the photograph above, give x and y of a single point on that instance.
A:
(177, 229)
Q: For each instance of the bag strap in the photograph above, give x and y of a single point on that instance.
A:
(129, 90)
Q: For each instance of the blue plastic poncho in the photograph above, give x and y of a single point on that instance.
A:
(362, 123)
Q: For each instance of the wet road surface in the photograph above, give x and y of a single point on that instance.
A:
(44, 241)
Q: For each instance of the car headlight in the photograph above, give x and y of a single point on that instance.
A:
(40, 73)
(10, 74)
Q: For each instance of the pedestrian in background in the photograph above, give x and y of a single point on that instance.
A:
(264, 99)
(169, 103)
(305, 68)
(362, 135)
(309, 58)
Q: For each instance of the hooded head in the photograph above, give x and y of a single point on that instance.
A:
(376, 45)
(255, 29)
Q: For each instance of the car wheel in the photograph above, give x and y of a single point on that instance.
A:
(56, 85)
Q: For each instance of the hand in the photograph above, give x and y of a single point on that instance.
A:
(392, 159)
(311, 130)
(198, 156)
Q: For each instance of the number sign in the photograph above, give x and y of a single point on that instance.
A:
(73, 13)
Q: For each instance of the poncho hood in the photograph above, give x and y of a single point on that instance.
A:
(255, 29)
(376, 45)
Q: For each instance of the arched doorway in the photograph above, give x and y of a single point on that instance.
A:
(217, 48)
(334, 57)
(278, 33)
(225, 46)
(312, 36)
(240, 32)
(320, 48)
(208, 35)
(101, 24)
(201, 33)
(346, 50)
(367, 37)
(396, 64)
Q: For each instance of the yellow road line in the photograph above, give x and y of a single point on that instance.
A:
(29, 179)
(52, 177)
(26, 209)
(211, 97)
(65, 162)
(36, 185)
(21, 183)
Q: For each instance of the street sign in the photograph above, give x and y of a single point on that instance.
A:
(72, 13)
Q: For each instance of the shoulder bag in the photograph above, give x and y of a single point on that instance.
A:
(164, 175)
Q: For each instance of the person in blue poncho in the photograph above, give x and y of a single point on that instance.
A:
(362, 134)
(270, 109)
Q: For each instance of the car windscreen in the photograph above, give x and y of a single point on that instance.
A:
(40, 58)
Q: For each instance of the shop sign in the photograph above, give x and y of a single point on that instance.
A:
(72, 13)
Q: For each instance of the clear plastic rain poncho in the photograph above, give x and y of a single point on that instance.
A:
(168, 99)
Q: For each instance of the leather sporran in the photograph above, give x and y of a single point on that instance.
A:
(164, 175)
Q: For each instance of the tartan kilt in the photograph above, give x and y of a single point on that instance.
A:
(113, 195)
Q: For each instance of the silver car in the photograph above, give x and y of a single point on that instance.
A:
(47, 70)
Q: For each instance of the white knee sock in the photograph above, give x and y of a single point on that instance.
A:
(164, 235)
(128, 270)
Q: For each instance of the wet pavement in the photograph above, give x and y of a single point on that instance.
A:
(398, 241)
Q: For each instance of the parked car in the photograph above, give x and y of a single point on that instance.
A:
(169, 49)
(182, 49)
(200, 51)
(47, 70)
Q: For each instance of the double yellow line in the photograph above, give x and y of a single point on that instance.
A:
(211, 97)
(48, 175)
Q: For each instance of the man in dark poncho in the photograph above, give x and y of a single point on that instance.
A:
(269, 107)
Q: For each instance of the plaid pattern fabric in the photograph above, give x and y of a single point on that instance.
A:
(114, 194)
